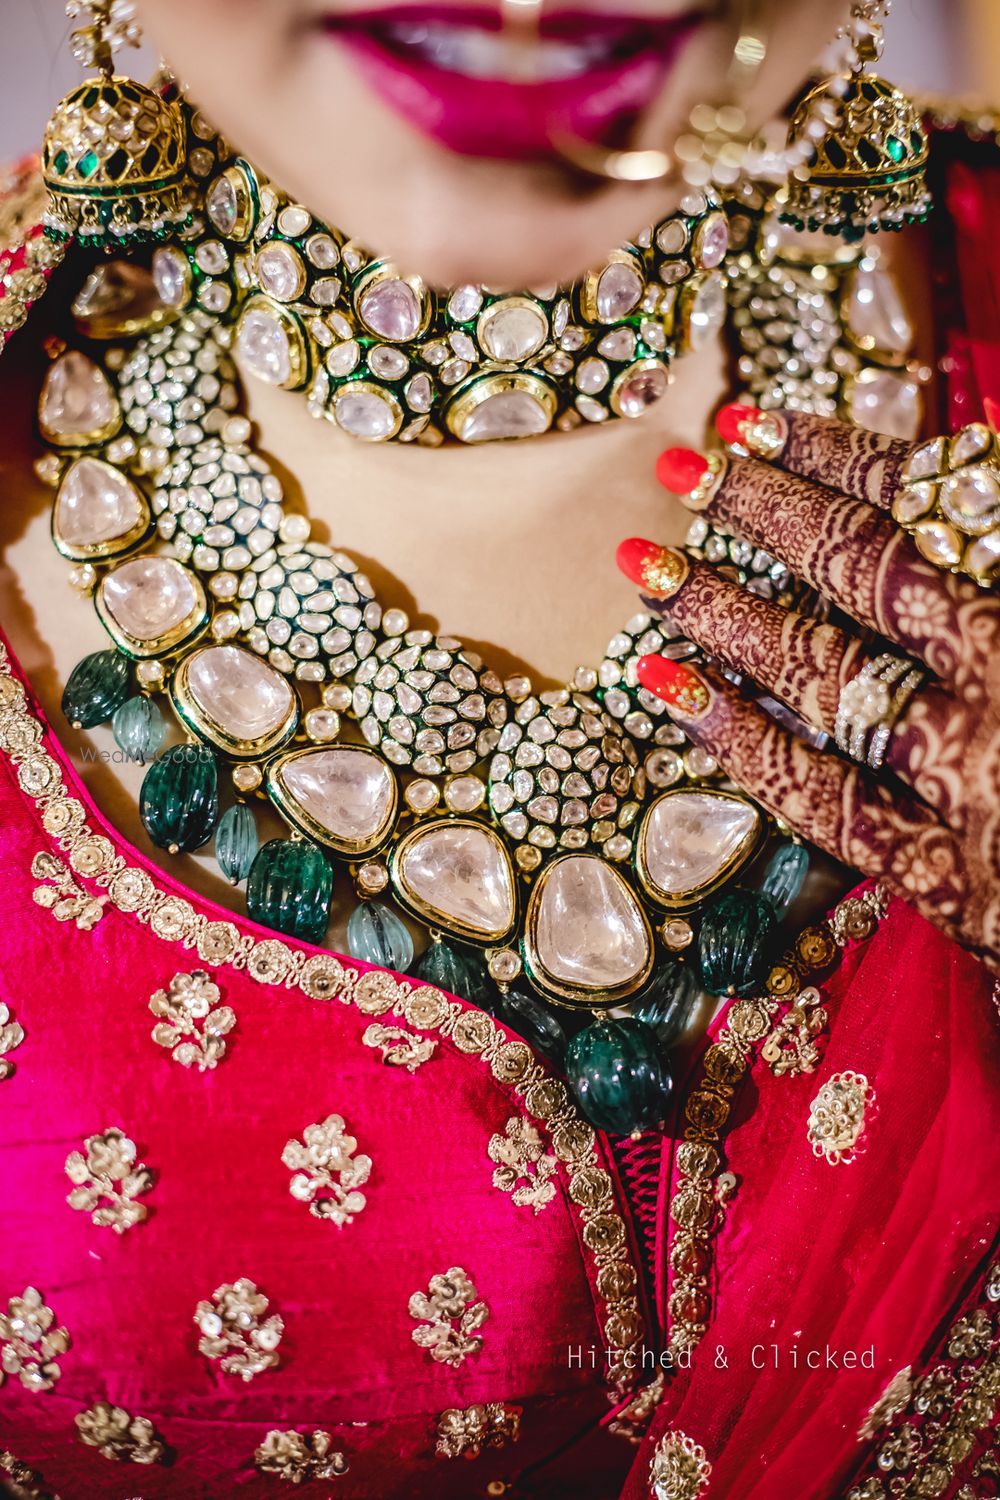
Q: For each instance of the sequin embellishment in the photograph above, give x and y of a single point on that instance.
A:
(465, 1433)
(299, 1457)
(327, 1172)
(450, 1315)
(838, 1115)
(108, 1181)
(232, 1330)
(29, 1343)
(114, 1433)
(192, 1022)
(523, 1168)
(11, 1036)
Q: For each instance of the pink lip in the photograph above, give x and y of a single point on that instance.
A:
(515, 120)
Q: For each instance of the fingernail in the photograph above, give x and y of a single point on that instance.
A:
(682, 688)
(681, 470)
(761, 433)
(659, 571)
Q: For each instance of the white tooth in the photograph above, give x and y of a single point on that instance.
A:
(485, 55)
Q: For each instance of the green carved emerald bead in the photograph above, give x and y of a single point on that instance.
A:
(785, 877)
(290, 888)
(618, 1075)
(377, 936)
(179, 800)
(735, 942)
(236, 842)
(459, 973)
(668, 1001)
(138, 728)
(97, 687)
(534, 1022)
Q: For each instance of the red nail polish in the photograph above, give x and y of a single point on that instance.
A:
(681, 470)
(732, 419)
(659, 571)
(679, 685)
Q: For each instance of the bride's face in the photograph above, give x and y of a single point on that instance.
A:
(427, 132)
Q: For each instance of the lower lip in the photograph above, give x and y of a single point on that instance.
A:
(514, 121)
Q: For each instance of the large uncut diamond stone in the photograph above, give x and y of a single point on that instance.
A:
(586, 931)
(345, 796)
(691, 840)
(77, 406)
(98, 509)
(457, 876)
(391, 309)
(887, 402)
(507, 414)
(876, 315)
(151, 604)
(513, 329)
(235, 700)
(263, 345)
(618, 291)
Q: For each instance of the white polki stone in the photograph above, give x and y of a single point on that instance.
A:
(972, 500)
(973, 442)
(885, 402)
(876, 315)
(387, 363)
(512, 331)
(280, 272)
(96, 506)
(171, 276)
(239, 693)
(672, 237)
(465, 303)
(222, 205)
(262, 344)
(150, 597)
(592, 376)
(346, 791)
(619, 344)
(342, 359)
(77, 401)
(587, 930)
(641, 388)
(508, 414)
(708, 311)
(983, 557)
(619, 290)
(688, 839)
(458, 875)
(391, 309)
(713, 242)
(365, 414)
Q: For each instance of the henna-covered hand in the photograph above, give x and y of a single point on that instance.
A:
(820, 502)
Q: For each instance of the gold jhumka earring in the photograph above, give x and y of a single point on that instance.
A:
(867, 173)
(114, 155)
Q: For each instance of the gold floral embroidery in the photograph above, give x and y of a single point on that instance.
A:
(108, 1181)
(11, 1036)
(524, 1169)
(680, 1469)
(116, 1435)
(299, 1457)
(21, 1482)
(193, 1024)
(791, 1048)
(450, 1316)
(232, 1331)
(696, 1203)
(465, 1433)
(838, 1116)
(67, 901)
(892, 1401)
(400, 1047)
(857, 917)
(634, 1418)
(24, 286)
(936, 1426)
(324, 977)
(327, 1172)
(29, 1343)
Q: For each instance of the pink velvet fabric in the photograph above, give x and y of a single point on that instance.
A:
(221, 1209)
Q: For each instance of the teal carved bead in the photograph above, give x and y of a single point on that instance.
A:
(735, 942)
(97, 686)
(668, 1001)
(290, 888)
(138, 728)
(236, 842)
(785, 876)
(377, 936)
(534, 1022)
(618, 1075)
(179, 800)
(462, 974)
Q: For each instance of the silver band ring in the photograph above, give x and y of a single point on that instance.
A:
(870, 706)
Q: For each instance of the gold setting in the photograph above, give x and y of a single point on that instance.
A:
(242, 179)
(383, 394)
(184, 633)
(639, 367)
(498, 309)
(115, 547)
(685, 900)
(473, 395)
(298, 347)
(432, 916)
(208, 729)
(592, 281)
(300, 819)
(580, 996)
(379, 273)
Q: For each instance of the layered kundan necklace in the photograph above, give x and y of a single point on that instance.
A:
(564, 849)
